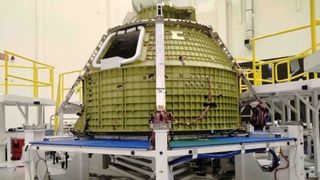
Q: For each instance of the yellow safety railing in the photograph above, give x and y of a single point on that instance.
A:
(273, 76)
(33, 65)
(62, 89)
(273, 65)
(249, 75)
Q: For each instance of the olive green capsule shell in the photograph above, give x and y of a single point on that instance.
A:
(123, 99)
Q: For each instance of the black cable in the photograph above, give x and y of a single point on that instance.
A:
(281, 168)
(275, 162)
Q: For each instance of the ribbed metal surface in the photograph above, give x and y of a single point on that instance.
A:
(123, 99)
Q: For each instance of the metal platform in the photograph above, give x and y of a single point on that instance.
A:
(287, 99)
(223, 141)
(165, 153)
(144, 144)
(13, 100)
(102, 143)
(22, 103)
(288, 88)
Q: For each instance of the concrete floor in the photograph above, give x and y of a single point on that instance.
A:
(18, 174)
(12, 174)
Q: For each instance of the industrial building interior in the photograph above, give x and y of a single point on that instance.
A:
(159, 89)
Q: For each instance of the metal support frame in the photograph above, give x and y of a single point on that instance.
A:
(247, 168)
(315, 122)
(300, 92)
(160, 61)
(2, 132)
(40, 113)
(22, 103)
(79, 161)
(161, 154)
(161, 158)
(309, 128)
(24, 113)
(29, 157)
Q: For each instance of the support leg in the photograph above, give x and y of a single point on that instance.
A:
(283, 114)
(161, 160)
(26, 111)
(239, 167)
(316, 143)
(29, 166)
(295, 154)
(40, 115)
(297, 107)
(2, 132)
(29, 156)
(289, 119)
(79, 167)
(61, 124)
(309, 127)
(246, 165)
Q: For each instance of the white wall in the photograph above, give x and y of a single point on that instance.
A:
(272, 16)
(64, 33)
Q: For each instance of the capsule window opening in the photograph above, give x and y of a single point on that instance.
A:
(123, 45)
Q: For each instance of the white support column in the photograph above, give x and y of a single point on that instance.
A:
(26, 112)
(29, 156)
(29, 166)
(8, 146)
(283, 115)
(160, 61)
(79, 167)
(297, 107)
(61, 124)
(161, 159)
(40, 114)
(240, 166)
(316, 142)
(309, 128)
(295, 154)
(246, 168)
(272, 112)
(33, 135)
(2, 132)
(289, 119)
(23, 113)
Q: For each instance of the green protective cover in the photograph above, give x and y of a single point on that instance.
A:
(123, 99)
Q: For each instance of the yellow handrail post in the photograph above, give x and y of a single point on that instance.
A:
(273, 74)
(58, 102)
(313, 28)
(35, 80)
(253, 44)
(260, 74)
(52, 83)
(62, 87)
(6, 73)
(288, 71)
